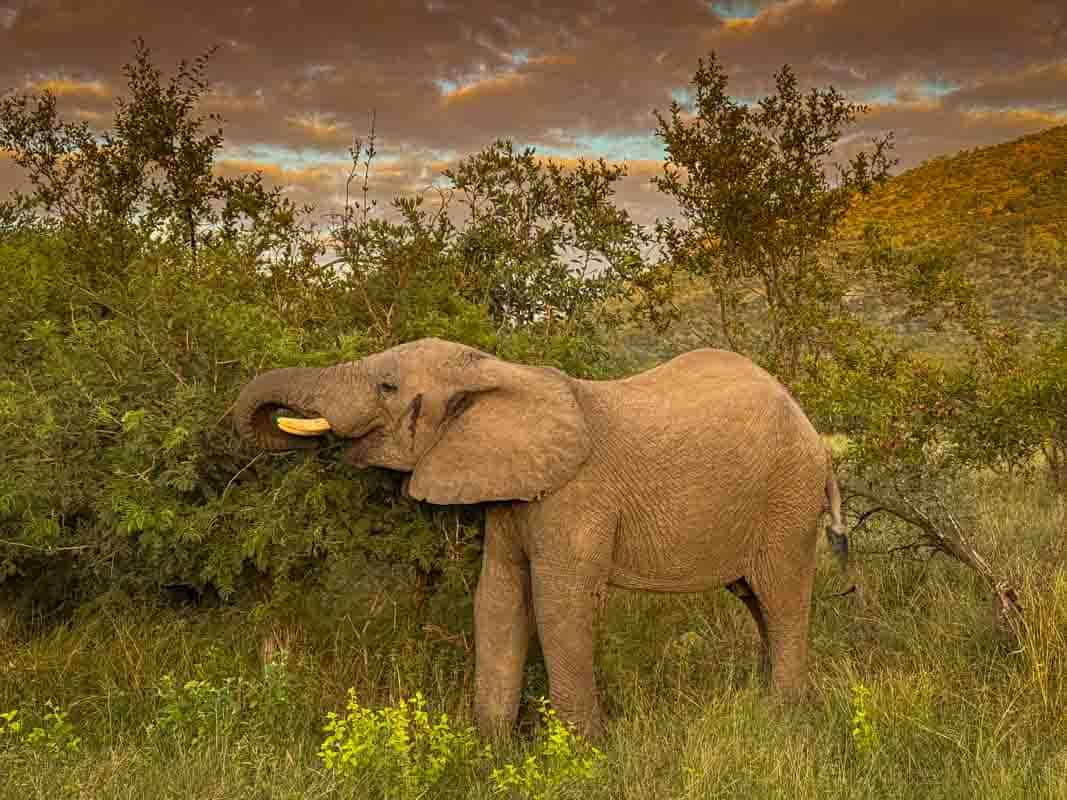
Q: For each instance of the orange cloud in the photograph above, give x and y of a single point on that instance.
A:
(738, 25)
(643, 168)
(560, 59)
(1014, 117)
(321, 130)
(488, 87)
(304, 176)
(64, 87)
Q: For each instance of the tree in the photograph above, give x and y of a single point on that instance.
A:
(539, 246)
(759, 215)
(148, 181)
(753, 188)
(542, 242)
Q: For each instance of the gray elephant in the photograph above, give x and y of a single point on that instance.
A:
(702, 472)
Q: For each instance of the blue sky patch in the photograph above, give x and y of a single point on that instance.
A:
(612, 147)
(937, 88)
(286, 157)
(445, 85)
(882, 95)
(735, 9)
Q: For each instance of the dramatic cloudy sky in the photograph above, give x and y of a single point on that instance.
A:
(295, 80)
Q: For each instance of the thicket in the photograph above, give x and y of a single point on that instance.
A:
(142, 291)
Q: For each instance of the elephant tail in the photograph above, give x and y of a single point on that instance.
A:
(836, 533)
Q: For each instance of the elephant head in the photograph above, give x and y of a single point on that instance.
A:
(468, 427)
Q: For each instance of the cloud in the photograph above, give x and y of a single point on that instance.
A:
(322, 131)
(77, 90)
(850, 41)
(1043, 86)
(572, 77)
(509, 83)
(1014, 118)
(553, 60)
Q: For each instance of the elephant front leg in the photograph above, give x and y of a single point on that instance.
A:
(503, 625)
(565, 610)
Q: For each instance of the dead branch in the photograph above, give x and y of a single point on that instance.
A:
(944, 534)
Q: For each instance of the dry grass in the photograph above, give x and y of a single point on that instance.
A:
(959, 708)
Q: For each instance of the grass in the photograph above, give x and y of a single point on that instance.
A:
(919, 693)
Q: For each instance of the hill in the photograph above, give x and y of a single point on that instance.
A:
(1004, 207)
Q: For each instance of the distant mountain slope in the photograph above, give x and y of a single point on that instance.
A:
(1005, 206)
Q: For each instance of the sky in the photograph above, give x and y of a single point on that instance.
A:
(296, 81)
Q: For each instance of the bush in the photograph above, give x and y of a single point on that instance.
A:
(399, 749)
(119, 362)
(560, 759)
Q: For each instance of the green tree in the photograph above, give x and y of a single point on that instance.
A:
(119, 360)
(759, 213)
(541, 242)
(534, 245)
(147, 182)
(759, 207)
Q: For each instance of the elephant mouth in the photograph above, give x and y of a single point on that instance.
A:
(363, 443)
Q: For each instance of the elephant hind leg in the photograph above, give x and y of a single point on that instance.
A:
(743, 592)
(785, 608)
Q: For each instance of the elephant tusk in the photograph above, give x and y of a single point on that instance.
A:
(303, 427)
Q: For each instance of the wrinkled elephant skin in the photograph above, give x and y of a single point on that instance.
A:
(702, 472)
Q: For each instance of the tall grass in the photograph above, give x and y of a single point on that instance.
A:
(921, 692)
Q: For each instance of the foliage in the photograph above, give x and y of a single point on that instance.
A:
(539, 248)
(864, 735)
(120, 356)
(761, 231)
(55, 735)
(1001, 207)
(399, 748)
(115, 196)
(202, 710)
(542, 242)
(753, 190)
(560, 759)
(960, 710)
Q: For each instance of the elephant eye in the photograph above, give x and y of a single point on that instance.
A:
(387, 388)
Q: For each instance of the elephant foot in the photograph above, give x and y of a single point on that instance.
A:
(791, 693)
(496, 720)
(495, 729)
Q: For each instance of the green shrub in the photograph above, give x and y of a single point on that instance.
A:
(130, 332)
(202, 710)
(560, 758)
(864, 735)
(400, 748)
(55, 735)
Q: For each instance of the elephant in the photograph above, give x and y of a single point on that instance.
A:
(701, 472)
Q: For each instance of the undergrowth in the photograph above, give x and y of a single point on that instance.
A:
(919, 691)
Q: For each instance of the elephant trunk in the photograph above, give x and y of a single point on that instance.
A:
(294, 388)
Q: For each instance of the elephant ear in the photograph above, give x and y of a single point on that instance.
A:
(508, 432)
